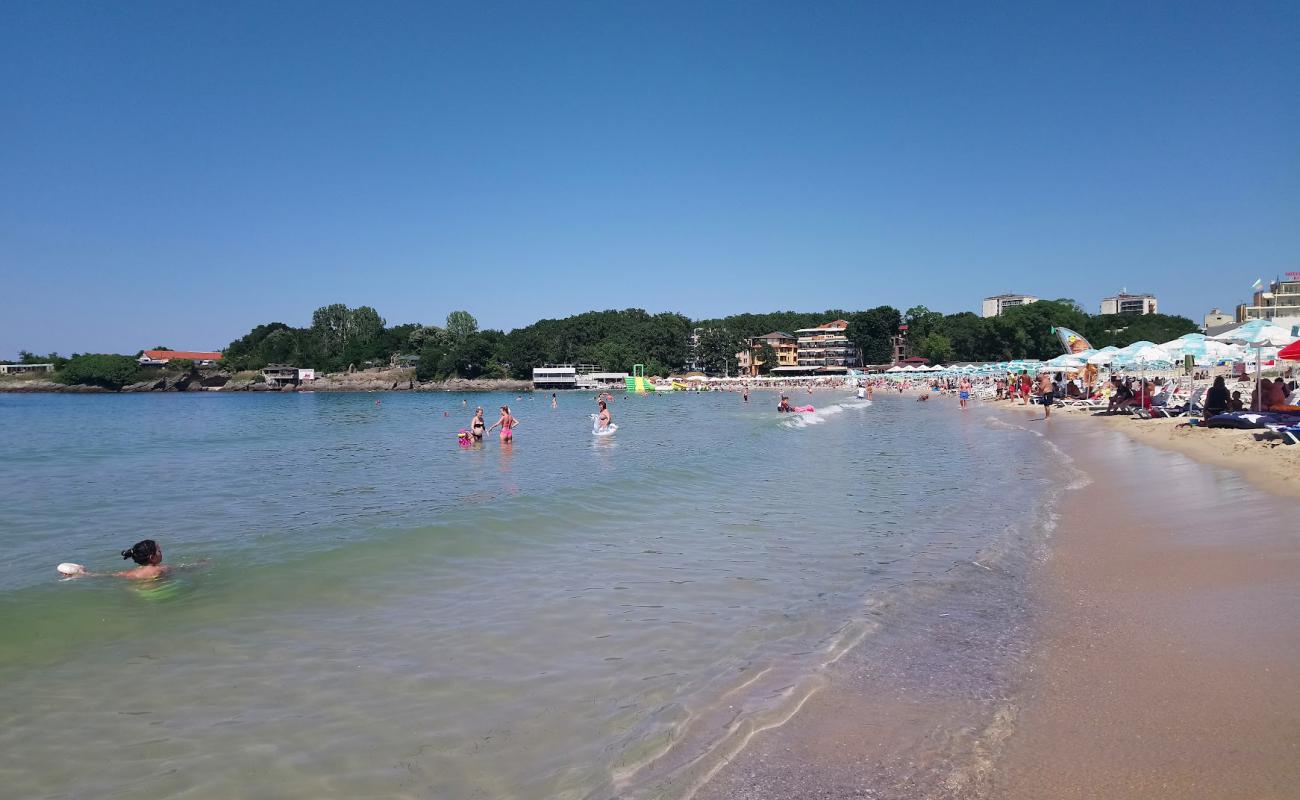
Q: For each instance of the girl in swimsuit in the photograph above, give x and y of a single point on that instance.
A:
(507, 424)
(477, 427)
(146, 554)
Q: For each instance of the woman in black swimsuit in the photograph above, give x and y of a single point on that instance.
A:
(478, 426)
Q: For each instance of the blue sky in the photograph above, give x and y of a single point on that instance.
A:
(175, 173)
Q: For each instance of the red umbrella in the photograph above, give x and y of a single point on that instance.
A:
(1291, 351)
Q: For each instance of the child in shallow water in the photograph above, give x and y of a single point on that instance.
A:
(148, 555)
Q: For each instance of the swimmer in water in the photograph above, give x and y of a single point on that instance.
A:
(148, 555)
(603, 420)
(553, 403)
(478, 425)
(507, 424)
(784, 405)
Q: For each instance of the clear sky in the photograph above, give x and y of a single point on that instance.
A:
(176, 172)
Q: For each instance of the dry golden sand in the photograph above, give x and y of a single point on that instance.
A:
(1268, 463)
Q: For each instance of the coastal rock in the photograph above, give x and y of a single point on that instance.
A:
(146, 386)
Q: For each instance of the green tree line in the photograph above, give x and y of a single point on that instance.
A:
(340, 337)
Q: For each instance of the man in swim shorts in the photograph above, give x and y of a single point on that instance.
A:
(1046, 393)
(963, 392)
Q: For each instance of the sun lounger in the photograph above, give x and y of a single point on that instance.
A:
(1085, 402)
(1173, 409)
(1289, 434)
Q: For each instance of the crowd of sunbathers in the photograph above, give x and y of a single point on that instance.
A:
(1140, 395)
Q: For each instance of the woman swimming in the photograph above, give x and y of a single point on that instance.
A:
(507, 424)
(479, 425)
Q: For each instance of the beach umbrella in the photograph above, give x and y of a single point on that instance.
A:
(1291, 352)
(1272, 336)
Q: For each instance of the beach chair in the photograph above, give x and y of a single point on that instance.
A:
(1088, 403)
(1192, 406)
(1289, 434)
(1173, 409)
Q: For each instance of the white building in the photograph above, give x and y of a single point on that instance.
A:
(1281, 299)
(16, 369)
(826, 348)
(996, 305)
(1124, 303)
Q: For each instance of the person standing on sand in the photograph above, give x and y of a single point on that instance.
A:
(1047, 393)
(1026, 387)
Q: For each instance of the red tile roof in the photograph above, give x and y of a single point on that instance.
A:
(164, 355)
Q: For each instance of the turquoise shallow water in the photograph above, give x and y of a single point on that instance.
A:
(384, 614)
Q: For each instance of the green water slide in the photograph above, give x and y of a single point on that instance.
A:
(636, 382)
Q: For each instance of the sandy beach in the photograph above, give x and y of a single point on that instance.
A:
(1169, 655)
(1268, 463)
(1165, 655)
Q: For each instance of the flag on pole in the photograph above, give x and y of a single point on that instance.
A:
(1073, 342)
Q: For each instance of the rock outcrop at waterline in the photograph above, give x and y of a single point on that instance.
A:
(388, 380)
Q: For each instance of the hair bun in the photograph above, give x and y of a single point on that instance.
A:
(126, 554)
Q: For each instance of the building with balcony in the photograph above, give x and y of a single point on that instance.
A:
(787, 353)
(994, 306)
(1280, 299)
(826, 348)
(1124, 303)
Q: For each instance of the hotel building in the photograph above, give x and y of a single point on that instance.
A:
(825, 348)
(785, 345)
(1123, 303)
(996, 305)
(1281, 299)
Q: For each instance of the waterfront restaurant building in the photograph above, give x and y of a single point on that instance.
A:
(785, 345)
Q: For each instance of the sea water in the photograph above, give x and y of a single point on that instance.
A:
(371, 610)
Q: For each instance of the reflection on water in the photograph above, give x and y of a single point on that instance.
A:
(389, 614)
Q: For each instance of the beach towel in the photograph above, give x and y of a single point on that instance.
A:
(1246, 420)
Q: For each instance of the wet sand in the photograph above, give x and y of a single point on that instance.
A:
(1164, 660)
(1169, 656)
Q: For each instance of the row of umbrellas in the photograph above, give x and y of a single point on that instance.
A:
(1255, 341)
